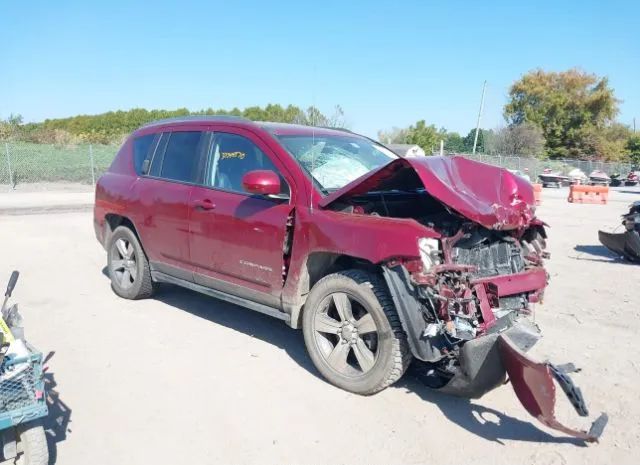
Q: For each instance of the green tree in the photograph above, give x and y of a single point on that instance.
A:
(608, 143)
(112, 126)
(523, 140)
(483, 135)
(10, 127)
(314, 117)
(427, 137)
(394, 135)
(453, 142)
(633, 148)
(569, 106)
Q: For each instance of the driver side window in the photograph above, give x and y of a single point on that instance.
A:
(232, 156)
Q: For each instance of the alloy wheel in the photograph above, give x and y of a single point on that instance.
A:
(124, 266)
(346, 334)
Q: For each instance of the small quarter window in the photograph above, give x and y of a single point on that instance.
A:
(141, 151)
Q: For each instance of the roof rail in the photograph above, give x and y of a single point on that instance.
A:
(336, 128)
(205, 118)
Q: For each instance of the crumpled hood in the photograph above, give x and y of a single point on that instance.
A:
(485, 194)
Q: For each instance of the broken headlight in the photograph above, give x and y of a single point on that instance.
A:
(429, 252)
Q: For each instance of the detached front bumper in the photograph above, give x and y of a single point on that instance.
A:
(486, 362)
(495, 359)
(533, 383)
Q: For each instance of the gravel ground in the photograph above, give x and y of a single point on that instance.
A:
(184, 378)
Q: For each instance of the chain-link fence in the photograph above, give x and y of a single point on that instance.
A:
(24, 162)
(534, 166)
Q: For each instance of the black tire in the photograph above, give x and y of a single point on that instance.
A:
(128, 280)
(366, 293)
(32, 444)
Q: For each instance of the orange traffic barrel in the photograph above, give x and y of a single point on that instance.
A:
(537, 193)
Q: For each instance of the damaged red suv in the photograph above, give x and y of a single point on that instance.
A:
(380, 260)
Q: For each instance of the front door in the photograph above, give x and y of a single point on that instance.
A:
(237, 238)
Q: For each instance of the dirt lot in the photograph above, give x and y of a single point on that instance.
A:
(184, 378)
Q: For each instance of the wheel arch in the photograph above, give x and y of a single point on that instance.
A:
(373, 295)
(112, 221)
(317, 266)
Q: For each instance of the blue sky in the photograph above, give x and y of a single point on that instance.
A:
(388, 63)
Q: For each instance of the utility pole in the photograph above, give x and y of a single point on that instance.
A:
(441, 147)
(475, 139)
(634, 124)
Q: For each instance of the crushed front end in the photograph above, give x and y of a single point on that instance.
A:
(465, 297)
(467, 307)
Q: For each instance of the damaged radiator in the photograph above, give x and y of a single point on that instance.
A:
(498, 258)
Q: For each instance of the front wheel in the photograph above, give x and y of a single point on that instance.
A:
(32, 444)
(353, 333)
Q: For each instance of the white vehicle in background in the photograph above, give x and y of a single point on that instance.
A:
(522, 174)
(577, 176)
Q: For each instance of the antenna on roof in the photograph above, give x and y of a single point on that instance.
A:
(313, 137)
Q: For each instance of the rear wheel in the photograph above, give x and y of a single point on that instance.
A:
(128, 266)
(353, 333)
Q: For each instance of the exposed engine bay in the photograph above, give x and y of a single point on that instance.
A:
(453, 282)
(466, 304)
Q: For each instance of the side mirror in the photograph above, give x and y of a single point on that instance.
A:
(12, 283)
(262, 182)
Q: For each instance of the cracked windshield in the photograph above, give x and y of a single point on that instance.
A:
(335, 161)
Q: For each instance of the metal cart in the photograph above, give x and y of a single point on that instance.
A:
(23, 401)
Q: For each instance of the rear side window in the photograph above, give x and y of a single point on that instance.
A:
(141, 148)
(181, 156)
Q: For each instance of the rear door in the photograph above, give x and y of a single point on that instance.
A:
(164, 190)
(237, 238)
